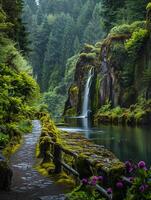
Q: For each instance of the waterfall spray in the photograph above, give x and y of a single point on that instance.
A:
(85, 108)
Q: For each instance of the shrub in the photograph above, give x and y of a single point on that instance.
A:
(89, 56)
(148, 6)
(122, 29)
(136, 42)
(4, 139)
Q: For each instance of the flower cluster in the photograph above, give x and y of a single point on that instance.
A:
(93, 181)
(138, 175)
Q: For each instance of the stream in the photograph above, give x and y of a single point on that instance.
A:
(27, 183)
(125, 142)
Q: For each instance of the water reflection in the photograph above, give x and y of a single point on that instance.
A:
(125, 142)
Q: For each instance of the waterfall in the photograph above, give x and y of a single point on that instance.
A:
(85, 108)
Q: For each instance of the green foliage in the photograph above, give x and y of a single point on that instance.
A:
(122, 12)
(4, 139)
(135, 43)
(13, 10)
(18, 90)
(137, 114)
(148, 6)
(105, 108)
(84, 193)
(141, 187)
(55, 98)
(88, 56)
(128, 28)
(25, 126)
(58, 31)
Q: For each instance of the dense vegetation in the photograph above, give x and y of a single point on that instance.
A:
(70, 38)
(17, 87)
(120, 92)
(58, 31)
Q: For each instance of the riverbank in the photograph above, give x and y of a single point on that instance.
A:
(136, 115)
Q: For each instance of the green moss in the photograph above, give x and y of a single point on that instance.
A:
(137, 114)
(65, 179)
(148, 6)
(74, 90)
(88, 48)
(95, 97)
(135, 43)
(71, 112)
(12, 147)
(42, 170)
(127, 29)
(88, 56)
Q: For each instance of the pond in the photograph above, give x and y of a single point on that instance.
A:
(125, 142)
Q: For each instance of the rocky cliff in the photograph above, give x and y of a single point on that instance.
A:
(120, 90)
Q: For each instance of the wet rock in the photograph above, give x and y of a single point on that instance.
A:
(5, 175)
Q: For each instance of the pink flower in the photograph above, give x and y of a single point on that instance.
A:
(93, 182)
(119, 185)
(142, 165)
(109, 191)
(84, 181)
(100, 178)
(95, 178)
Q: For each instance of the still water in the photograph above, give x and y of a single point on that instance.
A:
(126, 142)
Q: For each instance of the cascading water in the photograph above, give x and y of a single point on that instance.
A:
(85, 108)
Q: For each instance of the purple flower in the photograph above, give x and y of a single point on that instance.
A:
(95, 178)
(119, 185)
(84, 181)
(93, 182)
(142, 188)
(129, 166)
(109, 191)
(100, 178)
(142, 165)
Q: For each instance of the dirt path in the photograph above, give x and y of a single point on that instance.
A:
(27, 183)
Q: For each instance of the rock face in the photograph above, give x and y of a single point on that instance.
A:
(122, 65)
(5, 175)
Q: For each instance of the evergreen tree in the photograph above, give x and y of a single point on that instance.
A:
(13, 10)
(94, 30)
(76, 45)
(136, 10)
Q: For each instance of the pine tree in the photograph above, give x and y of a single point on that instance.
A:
(136, 10)
(76, 45)
(13, 10)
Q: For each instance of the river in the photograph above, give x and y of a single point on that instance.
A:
(126, 142)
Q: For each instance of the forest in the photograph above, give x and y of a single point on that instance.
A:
(75, 99)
